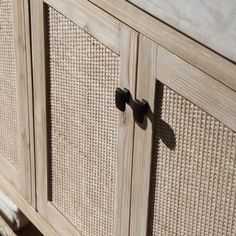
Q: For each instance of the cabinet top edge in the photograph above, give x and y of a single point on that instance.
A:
(176, 42)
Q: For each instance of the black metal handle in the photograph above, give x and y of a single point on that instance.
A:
(139, 108)
(122, 97)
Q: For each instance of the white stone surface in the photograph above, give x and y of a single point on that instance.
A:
(211, 22)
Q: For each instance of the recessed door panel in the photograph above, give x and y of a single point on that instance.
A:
(14, 97)
(88, 144)
(184, 153)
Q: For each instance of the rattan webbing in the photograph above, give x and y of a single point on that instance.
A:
(8, 96)
(5, 229)
(83, 77)
(193, 187)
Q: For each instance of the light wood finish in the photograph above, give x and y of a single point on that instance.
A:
(212, 23)
(147, 62)
(128, 64)
(194, 53)
(156, 63)
(199, 88)
(21, 177)
(26, 208)
(183, 73)
(37, 33)
(30, 100)
(93, 20)
(124, 43)
(5, 229)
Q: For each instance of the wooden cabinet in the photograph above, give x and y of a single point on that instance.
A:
(184, 162)
(98, 171)
(15, 164)
(83, 144)
(211, 23)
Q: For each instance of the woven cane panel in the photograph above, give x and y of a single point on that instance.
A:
(83, 77)
(8, 96)
(193, 189)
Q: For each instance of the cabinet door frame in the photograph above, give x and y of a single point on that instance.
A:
(20, 177)
(156, 63)
(123, 41)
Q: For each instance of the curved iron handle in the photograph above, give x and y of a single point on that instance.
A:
(139, 108)
(122, 97)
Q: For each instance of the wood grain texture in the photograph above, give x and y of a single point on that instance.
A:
(30, 102)
(56, 219)
(127, 45)
(22, 86)
(21, 177)
(26, 208)
(201, 89)
(148, 52)
(157, 64)
(40, 117)
(213, 23)
(94, 21)
(11, 173)
(128, 64)
(194, 53)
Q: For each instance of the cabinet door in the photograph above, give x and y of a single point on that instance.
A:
(83, 144)
(184, 166)
(14, 99)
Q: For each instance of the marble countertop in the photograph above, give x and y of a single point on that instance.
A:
(210, 22)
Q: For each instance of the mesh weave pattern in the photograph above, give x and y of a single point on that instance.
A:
(83, 77)
(193, 190)
(8, 96)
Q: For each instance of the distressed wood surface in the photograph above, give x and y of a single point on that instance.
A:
(95, 21)
(201, 89)
(194, 53)
(128, 64)
(30, 102)
(26, 208)
(147, 64)
(21, 177)
(40, 118)
(156, 63)
(212, 23)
